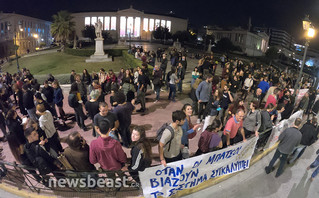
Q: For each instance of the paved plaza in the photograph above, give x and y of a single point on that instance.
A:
(294, 183)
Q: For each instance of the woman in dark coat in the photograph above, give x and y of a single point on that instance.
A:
(141, 153)
(15, 137)
(58, 99)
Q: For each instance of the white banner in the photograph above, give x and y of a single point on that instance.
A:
(281, 126)
(185, 174)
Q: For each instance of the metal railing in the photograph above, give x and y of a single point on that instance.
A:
(28, 178)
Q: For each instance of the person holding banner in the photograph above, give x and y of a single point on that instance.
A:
(288, 140)
(233, 125)
(170, 144)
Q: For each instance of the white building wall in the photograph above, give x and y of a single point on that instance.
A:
(176, 24)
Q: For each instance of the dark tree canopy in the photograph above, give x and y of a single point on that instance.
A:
(162, 33)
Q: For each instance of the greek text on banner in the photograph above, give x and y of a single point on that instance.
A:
(167, 181)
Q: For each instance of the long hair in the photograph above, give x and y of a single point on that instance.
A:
(143, 143)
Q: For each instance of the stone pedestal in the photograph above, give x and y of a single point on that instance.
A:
(99, 55)
(177, 45)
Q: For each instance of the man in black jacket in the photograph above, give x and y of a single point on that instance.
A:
(38, 156)
(48, 92)
(28, 102)
(142, 87)
(164, 66)
(180, 76)
(309, 136)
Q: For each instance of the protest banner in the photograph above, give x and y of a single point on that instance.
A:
(281, 126)
(189, 173)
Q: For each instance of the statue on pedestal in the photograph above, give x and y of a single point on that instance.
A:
(98, 29)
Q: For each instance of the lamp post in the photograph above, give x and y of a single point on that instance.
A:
(15, 41)
(310, 33)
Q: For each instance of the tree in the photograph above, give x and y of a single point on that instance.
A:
(89, 32)
(162, 33)
(272, 54)
(184, 36)
(62, 26)
(225, 45)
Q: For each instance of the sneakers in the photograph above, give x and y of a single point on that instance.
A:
(155, 101)
(198, 121)
(140, 110)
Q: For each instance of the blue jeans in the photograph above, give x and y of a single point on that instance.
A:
(172, 91)
(313, 165)
(180, 85)
(297, 153)
(283, 159)
(157, 90)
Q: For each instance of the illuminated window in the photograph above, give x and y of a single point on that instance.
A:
(129, 28)
(93, 20)
(137, 27)
(113, 23)
(145, 24)
(168, 25)
(163, 23)
(151, 24)
(157, 23)
(122, 26)
(107, 23)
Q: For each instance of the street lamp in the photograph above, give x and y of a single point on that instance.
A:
(309, 34)
(15, 41)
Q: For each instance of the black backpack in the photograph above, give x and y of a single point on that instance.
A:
(160, 131)
(72, 100)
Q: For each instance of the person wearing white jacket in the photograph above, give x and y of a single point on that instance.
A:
(248, 83)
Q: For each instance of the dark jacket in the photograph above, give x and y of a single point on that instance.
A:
(308, 132)
(79, 159)
(266, 122)
(138, 163)
(28, 102)
(73, 101)
(49, 93)
(40, 158)
(58, 96)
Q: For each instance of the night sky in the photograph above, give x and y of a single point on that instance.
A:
(283, 14)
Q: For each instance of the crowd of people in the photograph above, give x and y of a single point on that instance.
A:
(246, 100)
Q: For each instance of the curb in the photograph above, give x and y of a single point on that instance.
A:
(22, 193)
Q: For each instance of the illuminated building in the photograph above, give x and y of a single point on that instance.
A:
(128, 23)
(29, 33)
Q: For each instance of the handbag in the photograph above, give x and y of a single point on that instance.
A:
(192, 135)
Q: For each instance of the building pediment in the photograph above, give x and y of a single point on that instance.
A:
(130, 10)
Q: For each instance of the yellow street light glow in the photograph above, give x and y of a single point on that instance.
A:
(35, 35)
(311, 32)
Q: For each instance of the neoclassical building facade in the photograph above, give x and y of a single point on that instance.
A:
(128, 23)
(27, 32)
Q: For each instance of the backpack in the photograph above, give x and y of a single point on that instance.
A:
(72, 100)
(160, 131)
